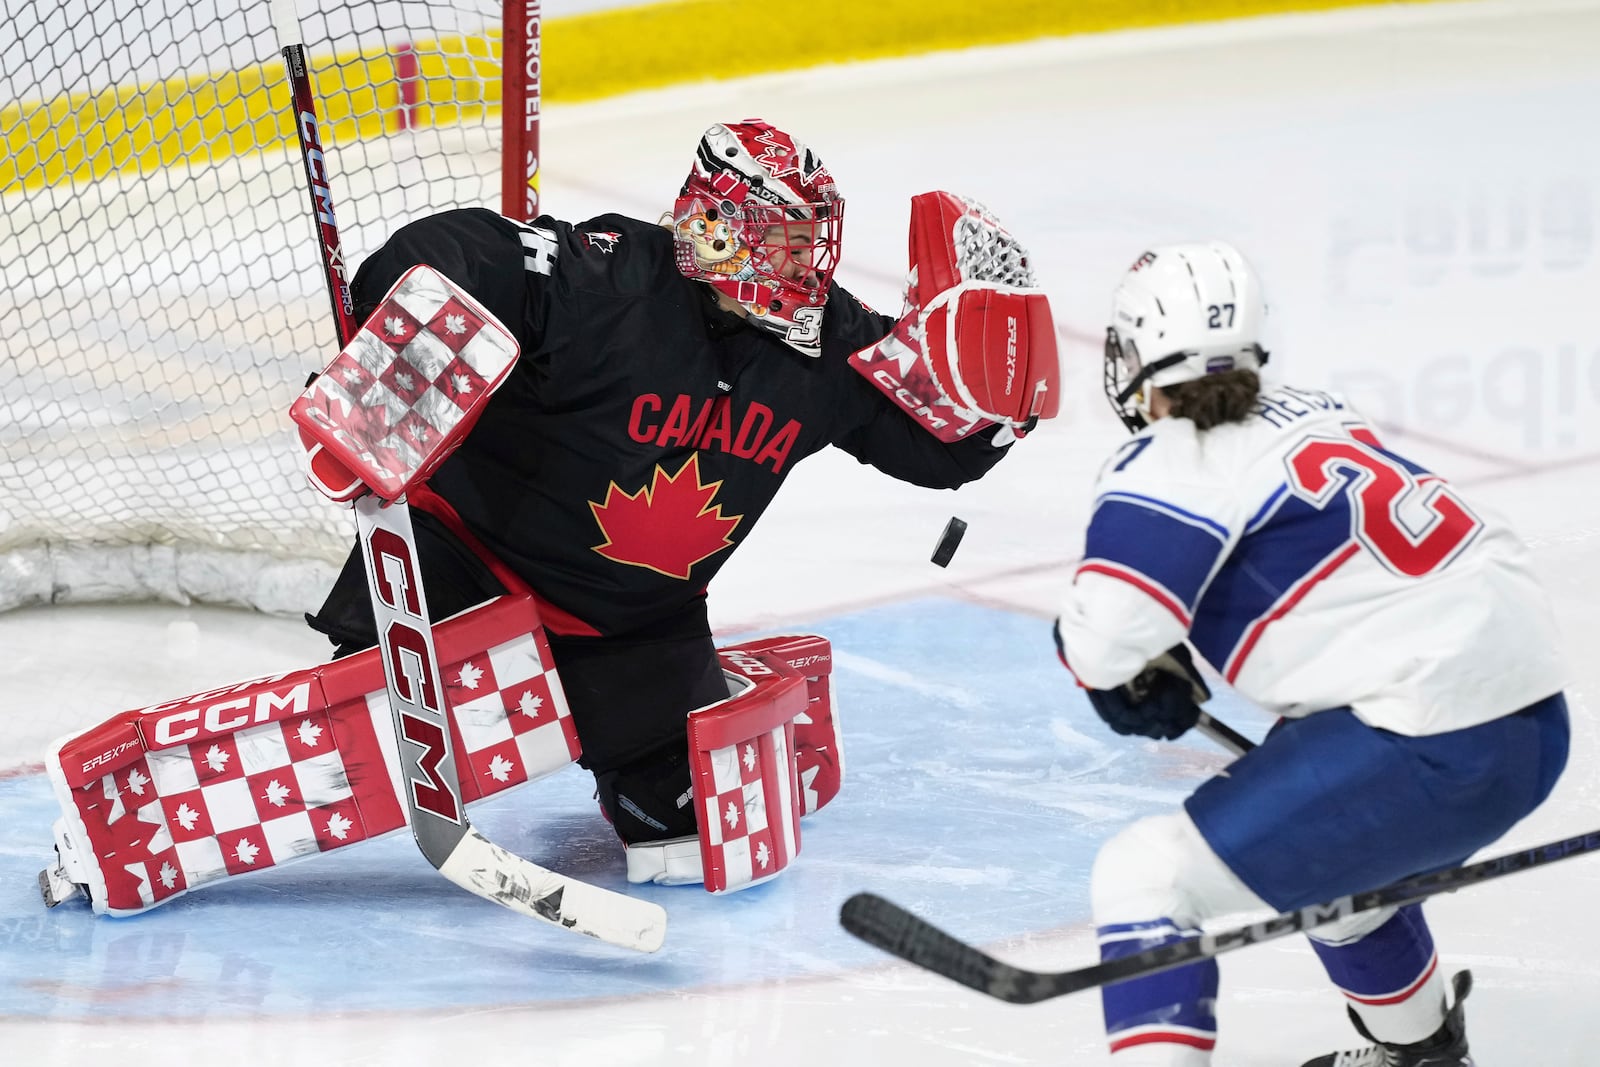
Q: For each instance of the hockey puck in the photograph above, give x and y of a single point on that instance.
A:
(949, 541)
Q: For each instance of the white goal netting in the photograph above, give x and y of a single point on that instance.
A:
(161, 299)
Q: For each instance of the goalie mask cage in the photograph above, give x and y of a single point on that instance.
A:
(161, 296)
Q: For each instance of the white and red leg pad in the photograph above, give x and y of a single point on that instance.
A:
(166, 799)
(818, 743)
(741, 769)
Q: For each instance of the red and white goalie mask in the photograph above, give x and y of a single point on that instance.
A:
(759, 219)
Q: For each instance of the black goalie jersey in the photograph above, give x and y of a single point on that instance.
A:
(643, 431)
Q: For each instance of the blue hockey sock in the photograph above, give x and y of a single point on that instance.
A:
(1176, 1008)
(1391, 977)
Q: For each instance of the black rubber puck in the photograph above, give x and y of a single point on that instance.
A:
(949, 541)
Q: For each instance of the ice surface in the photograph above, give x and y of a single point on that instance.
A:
(1420, 188)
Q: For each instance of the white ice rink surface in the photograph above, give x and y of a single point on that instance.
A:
(1420, 188)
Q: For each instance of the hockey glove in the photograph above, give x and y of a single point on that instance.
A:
(1162, 701)
(975, 344)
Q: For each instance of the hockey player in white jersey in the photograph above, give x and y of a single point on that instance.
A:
(1395, 627)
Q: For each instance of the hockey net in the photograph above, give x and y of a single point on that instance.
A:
(161, 300)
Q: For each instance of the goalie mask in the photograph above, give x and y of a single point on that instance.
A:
(759, 219)
(1182, 312)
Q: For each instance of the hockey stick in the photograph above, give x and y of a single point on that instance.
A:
(412, 678)
(1224, 735)
(895, 930)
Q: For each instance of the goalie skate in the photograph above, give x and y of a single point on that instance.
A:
(64, 881)
(56, 887)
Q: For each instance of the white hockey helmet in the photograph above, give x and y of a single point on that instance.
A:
(1181, 312)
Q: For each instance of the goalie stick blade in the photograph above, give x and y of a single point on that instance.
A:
(480, 866)
(886, 925)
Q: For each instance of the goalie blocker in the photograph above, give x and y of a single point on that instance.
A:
(975, 344)
(164, 800)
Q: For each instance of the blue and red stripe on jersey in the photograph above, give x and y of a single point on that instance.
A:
(1164, 550)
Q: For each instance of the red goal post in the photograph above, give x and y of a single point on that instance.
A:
(159, 301)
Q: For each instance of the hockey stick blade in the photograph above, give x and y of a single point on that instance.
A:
(886, 925)
(898, 932)
(480, 866)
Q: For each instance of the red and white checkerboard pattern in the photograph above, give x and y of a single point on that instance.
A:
(168, 820)
(749, 846)
(422, 363)
(741, 758)
(259, 798)
(513, 725)
(177, 818)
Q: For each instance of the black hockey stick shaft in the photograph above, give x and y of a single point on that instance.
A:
(1224, 735)
(897, 931)
(304, 105)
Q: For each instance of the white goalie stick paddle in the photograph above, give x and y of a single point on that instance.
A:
(414, 684)
(432, 788)
(888, 926)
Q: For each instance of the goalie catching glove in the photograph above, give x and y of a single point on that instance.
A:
(975, 345)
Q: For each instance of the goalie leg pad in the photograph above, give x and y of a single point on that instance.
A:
(745, 788)
(818, 742)
(166, 799)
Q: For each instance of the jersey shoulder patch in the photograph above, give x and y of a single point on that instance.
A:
(614, 253)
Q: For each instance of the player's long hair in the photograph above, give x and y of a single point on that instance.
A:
(1214, 399)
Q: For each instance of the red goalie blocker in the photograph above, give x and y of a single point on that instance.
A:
(405, 390)
(975, 345)
(166, 799)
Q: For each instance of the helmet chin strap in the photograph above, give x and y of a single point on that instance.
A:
(1119, 402)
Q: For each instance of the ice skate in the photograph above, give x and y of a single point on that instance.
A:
(1446, 1048)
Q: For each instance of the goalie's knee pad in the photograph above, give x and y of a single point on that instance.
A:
(1161, 867)
(745, 785)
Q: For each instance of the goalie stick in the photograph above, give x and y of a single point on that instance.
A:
(897, 931)
(432, 789)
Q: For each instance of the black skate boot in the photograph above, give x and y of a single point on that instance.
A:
(1446, 1048)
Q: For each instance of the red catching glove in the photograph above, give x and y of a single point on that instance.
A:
(975, 345)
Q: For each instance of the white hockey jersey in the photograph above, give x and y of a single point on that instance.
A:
(1313, 568)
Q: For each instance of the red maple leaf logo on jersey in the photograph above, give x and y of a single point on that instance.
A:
(667, 526)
